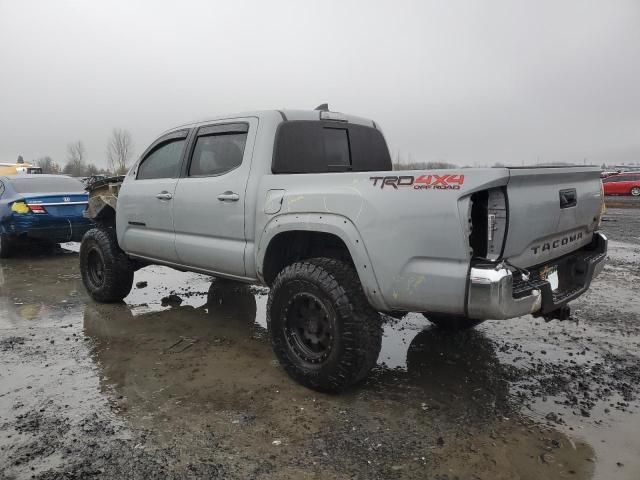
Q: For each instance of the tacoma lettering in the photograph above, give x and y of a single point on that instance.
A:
(557, 243)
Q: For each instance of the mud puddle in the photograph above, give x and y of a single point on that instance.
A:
(180, 382)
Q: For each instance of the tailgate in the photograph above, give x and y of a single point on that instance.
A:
(552, 212)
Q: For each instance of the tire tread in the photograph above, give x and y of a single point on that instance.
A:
(118, 268)
(360, 323)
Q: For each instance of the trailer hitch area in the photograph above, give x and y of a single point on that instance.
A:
(562, 313)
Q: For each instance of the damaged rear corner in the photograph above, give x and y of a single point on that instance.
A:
(103, 199)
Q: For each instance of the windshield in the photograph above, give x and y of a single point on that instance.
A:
(38, 184)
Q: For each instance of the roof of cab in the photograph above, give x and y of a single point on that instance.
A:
(279, 115)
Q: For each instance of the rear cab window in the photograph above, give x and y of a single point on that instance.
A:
(317, 146)
(336, 149)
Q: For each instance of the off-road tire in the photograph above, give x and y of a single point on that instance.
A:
(100, 245)
(5, 247)
(451, 323)
(356, 336)
(635, 191)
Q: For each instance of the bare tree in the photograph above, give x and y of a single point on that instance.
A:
(92, 170)
(47, 165)
(119, 150)
(76, 154)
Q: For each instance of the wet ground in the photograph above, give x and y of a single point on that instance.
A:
(622, 201)
(180, 382)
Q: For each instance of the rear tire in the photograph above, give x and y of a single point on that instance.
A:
(5, 247)
(635, 191)
(107, 273)
(452, 323)
(323, 330)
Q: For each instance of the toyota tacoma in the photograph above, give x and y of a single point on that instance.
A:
(307, 203)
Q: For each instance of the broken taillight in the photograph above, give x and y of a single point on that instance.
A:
(488, 222)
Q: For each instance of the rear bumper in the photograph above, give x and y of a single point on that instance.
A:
(54, 229)
(498, 293)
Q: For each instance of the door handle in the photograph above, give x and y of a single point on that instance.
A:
(228, 197)
(164, 196)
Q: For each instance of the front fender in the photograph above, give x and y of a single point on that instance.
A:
(337, 225)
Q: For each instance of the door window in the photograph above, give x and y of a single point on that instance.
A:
(217, 154)
(163, 162)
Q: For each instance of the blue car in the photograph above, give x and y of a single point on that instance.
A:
(46, 208)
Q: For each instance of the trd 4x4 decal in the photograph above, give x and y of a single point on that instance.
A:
(423, 182)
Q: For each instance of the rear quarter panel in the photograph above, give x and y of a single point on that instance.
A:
(413, 241)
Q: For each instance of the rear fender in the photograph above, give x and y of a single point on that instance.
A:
(333, 224)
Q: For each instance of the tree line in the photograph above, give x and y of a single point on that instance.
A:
(424, 166)
(119, 151)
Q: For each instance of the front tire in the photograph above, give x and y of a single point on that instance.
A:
(635, 191)
(452, 323)
(323, 330)
(107, 273)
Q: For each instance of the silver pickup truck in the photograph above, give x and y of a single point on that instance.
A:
(306, 202)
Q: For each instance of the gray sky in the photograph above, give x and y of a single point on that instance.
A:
(468, 82)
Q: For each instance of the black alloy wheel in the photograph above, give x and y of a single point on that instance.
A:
(95, 267)
(309, 327)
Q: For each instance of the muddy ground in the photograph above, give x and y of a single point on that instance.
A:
(180, 382)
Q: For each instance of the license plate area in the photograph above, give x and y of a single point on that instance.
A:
(550, 274)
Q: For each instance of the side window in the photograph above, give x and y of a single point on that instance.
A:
(217, 154)
(163, 161)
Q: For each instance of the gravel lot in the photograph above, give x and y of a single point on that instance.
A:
(180, 382)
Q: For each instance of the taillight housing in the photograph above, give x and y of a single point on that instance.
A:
(23, 208)
(36, 208)
(488, 223)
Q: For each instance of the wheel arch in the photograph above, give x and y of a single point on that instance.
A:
(288, 238)
(105, 216)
